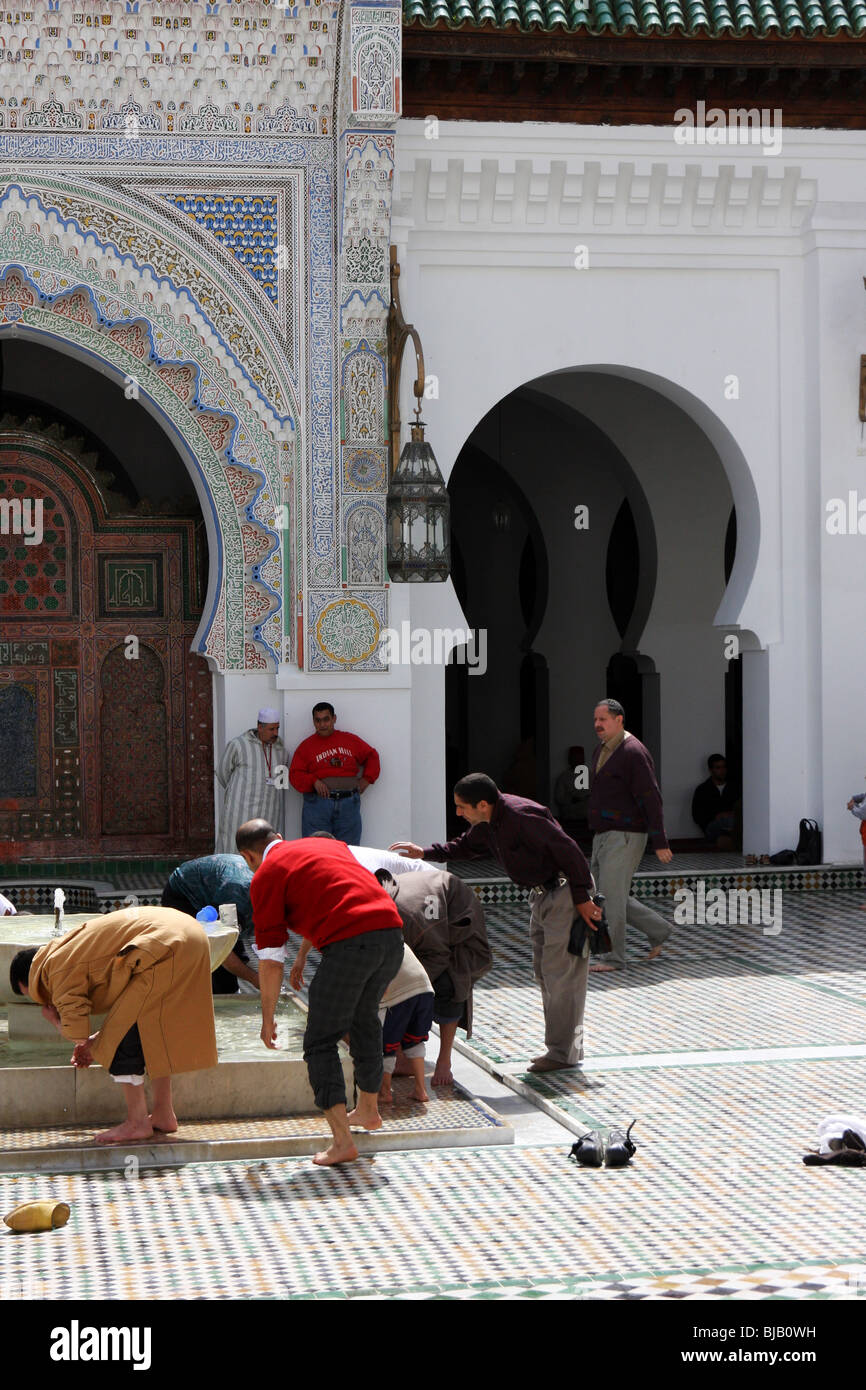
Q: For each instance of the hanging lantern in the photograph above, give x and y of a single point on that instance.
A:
(418, 513)
(418, 516)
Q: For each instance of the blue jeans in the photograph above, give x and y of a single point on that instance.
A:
(342, 817)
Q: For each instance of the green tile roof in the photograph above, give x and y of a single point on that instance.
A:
(717, 18)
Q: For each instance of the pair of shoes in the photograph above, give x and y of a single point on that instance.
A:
(840, 1158)
(593, 1149)
(550, 1064)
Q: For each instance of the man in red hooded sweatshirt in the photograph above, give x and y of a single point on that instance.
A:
(332, 770)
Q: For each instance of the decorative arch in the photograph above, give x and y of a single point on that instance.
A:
(82, 297)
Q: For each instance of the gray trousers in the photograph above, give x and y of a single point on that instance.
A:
(615, 857)
(562, 977)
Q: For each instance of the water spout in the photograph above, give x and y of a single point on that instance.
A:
(59, 900)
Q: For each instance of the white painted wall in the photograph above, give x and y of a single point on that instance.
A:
(705, 264)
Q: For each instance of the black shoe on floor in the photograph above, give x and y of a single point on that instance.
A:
(588, 1151)
(619, 1148)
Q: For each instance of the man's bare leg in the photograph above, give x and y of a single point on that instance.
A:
(385, 1095)
(402, 1068)
(366, 1112)
(342, 1148)
(162, 1116)
(442, 1076)
(137, 1123)
(420, 1091)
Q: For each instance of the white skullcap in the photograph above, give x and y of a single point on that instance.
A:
(269, 716)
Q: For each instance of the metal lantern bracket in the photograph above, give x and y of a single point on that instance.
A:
(398, 333)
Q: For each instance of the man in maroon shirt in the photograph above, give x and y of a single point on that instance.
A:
(332, 770)
(318, 889)
(625, 809)
(536, 853)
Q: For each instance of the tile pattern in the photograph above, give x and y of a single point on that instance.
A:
(714, 987)
(412, 1222)
(449, 1108)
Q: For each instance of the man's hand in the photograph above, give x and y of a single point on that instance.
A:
(82, 1053)
(49, 1012)
(407, 849)
(363, 785)
(296, 976)
(319, 788)
(268, 1034)
(664, 856)
(590, 912)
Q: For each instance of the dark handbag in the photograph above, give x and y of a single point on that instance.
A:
(599, 940)
(809, 846)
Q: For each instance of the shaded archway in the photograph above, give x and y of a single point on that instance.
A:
(641, 560)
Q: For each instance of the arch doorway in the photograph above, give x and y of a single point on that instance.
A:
(106, 711)
(612, 511)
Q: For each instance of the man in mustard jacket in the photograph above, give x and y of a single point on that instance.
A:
(148, 969)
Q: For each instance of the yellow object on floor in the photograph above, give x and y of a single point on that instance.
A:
(38, 1216)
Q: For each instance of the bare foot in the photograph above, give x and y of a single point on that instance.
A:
(164, 1120)
(601, 968)
(336, 1153)
(442, 1076)
(385, 1096)
(656, 952)
(366, 1120)
(127, 1133)
(420, 1094)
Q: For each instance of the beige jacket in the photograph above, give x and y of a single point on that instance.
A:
(148, 966)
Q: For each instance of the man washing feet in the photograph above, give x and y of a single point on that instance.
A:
(316, 887)
(149, 970)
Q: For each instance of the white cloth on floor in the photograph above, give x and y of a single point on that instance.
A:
(834, 1127)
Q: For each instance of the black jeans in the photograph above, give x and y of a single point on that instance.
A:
(344, 998)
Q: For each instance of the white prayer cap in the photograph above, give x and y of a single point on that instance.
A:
(269, 716)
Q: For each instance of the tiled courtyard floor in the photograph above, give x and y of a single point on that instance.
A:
(728, 1051)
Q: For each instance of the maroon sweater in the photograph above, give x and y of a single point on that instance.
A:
(625, 794)
(529, 844)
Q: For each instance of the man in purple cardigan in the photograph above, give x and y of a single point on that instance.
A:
(536, 853)
(625, 809)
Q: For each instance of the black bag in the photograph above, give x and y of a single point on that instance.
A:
(809, 847)
(784, 856)
(599, 940)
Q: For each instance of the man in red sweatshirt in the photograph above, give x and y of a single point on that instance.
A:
(318, 889)
(333, 770)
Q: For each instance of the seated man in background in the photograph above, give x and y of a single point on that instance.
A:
(212, 881)
(148, 969)
(714, 803)
(572, 803)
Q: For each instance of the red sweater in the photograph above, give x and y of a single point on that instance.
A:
(318, 889)
(339, 755)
